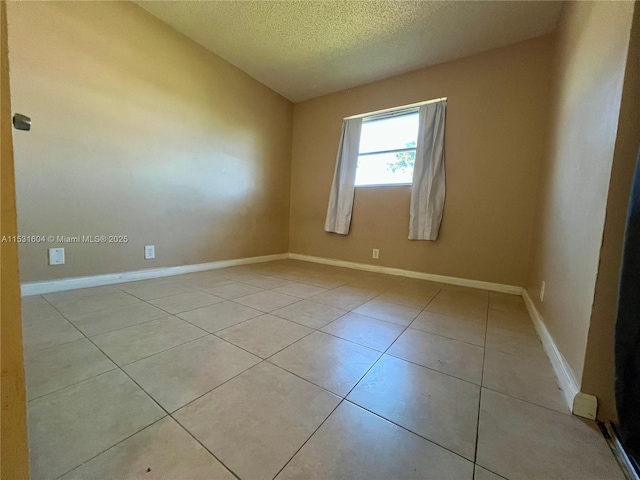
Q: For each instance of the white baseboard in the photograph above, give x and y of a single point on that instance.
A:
(51, 286)
(496, 287)
(566, 378)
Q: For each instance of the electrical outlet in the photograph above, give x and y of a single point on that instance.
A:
(376, 253)
(542, 292)
(56, 256)
(149, 252)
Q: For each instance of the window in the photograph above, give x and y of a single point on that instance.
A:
(387, 149)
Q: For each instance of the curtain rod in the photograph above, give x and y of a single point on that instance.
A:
(401, 107)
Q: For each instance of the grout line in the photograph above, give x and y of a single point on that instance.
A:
(33, 352)
(447, 338)
(125, 327)
(566, 412)
(408, 430)
(340, 403)
(119, 367)
(112, 446)
(205, 334)
(115, 367)
(484, 356)
(488, 470)
(342, 399)
(170, 414)
(432, 369)
(224, 465)
(305, 379)
(217, 386)
(310, 437)
(223, 328)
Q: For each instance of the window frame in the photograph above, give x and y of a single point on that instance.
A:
(384, 115)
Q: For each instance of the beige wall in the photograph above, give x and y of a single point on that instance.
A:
(496, 118)
(14, 462)
(592, 40)
(599, 372)
(139, 131)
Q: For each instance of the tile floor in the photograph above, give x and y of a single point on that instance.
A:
(293, 370)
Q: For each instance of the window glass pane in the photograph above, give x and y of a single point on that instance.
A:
(385, 168)
(389, 133)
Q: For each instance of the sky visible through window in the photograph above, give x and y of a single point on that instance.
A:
(391, 133)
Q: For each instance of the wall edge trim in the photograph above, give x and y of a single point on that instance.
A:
(496, 287)
(62, 284)
(562, 369)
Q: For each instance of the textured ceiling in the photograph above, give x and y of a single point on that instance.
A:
(303, 49)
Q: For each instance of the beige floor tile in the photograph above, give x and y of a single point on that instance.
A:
(267, 301)
(327, 361)
(257, 415)
(150, 290)
(155, 288)
(238, 274)
(484, 474)
(264, 335)
(47, 330)
(420, 400)
(95, 323)
(458, 292)
(311, 314)
(389, 312)
(406, 299)
(92, 303)
(233, 290)
(341, 300)
(80, 292)
(131, 344)
(219, 316)
(142, 283)
(372, 286)
(163, 450)
(519, 322)
(325, 281)
(300, 290)
(63, 365)
(293, 276)
(465, 308)
(185, 302)
(179, 375)
(469, 331)
(460, 359)
(355, 444)
(203, 280)
(256, 422)
(423, 288)
(520, 440)
(37, 310)
(267, 283)
(527, 379)
(34, 301)
(70, 426)
(515, 343)
(367, 331)
(506, 303)
(360, 290)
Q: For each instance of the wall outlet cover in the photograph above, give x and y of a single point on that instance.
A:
(56, 256)
(376, 253)
(149, 252)
(585, 405)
